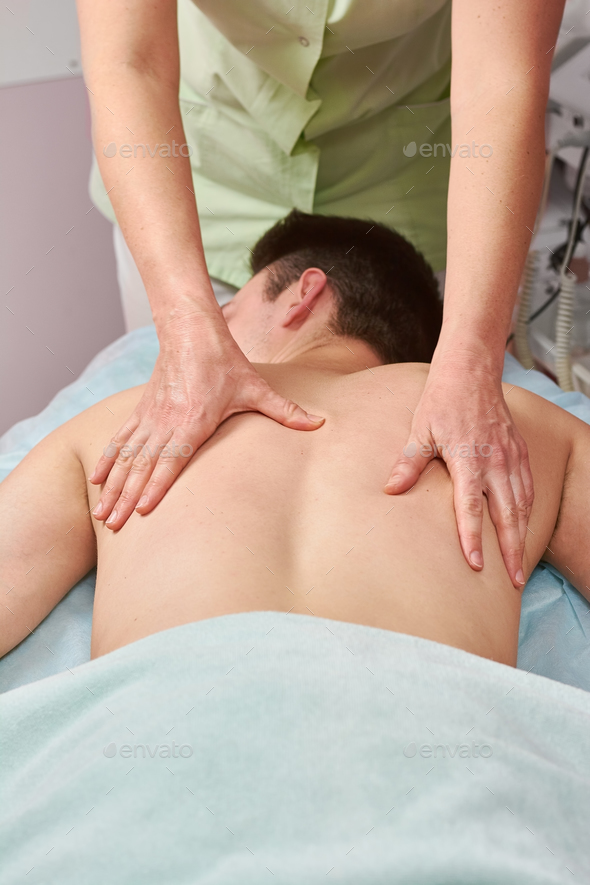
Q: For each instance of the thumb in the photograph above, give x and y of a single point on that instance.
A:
(416, 455)
(284, 411)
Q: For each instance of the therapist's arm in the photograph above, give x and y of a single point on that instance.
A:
(130, 58)
(502, 56)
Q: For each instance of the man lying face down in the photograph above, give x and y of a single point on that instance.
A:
(344, 322)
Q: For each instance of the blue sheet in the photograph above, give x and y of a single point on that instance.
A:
(555, 620)
(270, 747)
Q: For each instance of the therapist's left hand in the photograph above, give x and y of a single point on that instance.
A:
(201, 377)
(463, 403)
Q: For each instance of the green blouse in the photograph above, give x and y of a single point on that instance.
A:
(312, 106)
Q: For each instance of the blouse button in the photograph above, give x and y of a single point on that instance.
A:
(304, 41)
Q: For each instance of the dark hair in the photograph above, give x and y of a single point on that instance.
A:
(385, 291)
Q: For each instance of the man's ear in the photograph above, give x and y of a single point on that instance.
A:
(305, 293)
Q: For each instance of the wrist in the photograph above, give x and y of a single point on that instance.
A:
(469, 348)
(473, 361)
(189, 311)
(193, 331)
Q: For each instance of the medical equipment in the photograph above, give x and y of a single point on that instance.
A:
(568, 119)
(564, 290)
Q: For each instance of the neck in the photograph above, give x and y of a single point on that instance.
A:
(341, 355)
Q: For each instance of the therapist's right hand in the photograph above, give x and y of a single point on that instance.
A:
(201, 377)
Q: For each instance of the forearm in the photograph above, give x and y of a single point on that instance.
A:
(152, 195)
(131, 67)
(502, 57)
(492, 204)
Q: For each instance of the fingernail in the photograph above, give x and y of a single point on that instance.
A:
(392, 482)
(142, 501)
(520, 576)
(112, 517)
(98, 509)
(315, 419)
(476, 558)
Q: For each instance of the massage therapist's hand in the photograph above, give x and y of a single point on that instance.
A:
(463, 418)
(201, 377)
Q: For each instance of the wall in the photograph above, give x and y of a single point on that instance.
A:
(60, 300)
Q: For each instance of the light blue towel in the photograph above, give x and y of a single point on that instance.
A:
(264, 747)
(555, 619)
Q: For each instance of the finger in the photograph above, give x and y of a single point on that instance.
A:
(527, 479)
(417, 453)
(282, 410)
(169, 466)
(110, 453)
(152, 458)
(468, 503)
(520, 506)
(504, 515)
(116, 479)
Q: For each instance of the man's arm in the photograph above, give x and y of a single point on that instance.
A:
(569, 548)
(47, 542)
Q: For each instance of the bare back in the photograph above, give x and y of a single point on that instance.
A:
(269, 518)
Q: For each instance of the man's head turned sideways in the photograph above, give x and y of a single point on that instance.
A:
(321, 282)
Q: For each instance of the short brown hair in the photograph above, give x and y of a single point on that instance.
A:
(385, 291)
